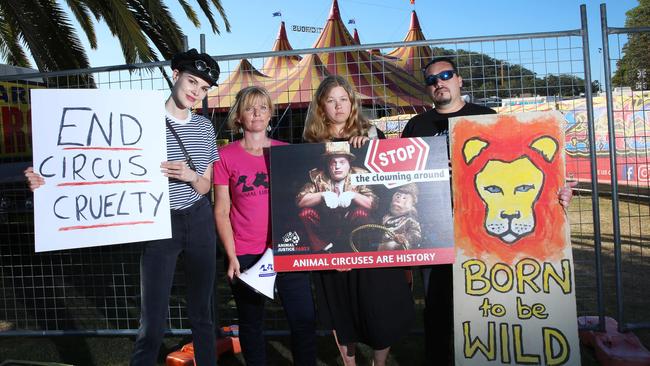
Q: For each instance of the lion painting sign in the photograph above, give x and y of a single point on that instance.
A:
(514, 299)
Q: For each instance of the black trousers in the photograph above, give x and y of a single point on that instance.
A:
(194, 235)
(294, 289)
(439, 315)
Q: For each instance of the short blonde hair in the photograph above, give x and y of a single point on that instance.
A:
(244, 99)
(316, 124)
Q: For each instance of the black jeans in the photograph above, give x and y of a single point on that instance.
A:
(294, 289)
(439, 315)
(194, 235)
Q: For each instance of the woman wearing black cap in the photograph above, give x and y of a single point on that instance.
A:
(191, 150)
(193, 230)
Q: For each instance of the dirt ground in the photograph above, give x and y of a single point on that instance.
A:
(115, 351)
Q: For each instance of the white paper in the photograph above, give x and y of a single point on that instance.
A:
(100, 153)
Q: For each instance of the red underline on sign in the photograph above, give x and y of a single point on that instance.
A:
(101, 182)
(104, 148)
(96, 226)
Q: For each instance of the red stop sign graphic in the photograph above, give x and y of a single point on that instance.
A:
(397, 155)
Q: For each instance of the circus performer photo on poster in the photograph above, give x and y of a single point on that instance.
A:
(383, 205)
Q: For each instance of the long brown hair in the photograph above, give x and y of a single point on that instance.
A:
(316, 124)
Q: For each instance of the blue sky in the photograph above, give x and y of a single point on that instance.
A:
(254, 29)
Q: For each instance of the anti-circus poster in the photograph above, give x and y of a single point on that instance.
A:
(514, 289)
(99, 152)
(383, 205)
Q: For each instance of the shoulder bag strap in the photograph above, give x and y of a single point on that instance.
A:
(188, 158)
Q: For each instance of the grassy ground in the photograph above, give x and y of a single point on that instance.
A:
(635, 270)
(635, 260)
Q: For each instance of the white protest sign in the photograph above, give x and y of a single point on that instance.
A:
(100, 153)
(514, 286)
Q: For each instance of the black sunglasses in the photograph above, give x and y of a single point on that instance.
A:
(443, 75)
(200, 65)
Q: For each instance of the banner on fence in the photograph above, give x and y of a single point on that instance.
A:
(631, 113)
(514, 292)
(15, 114)
(100, 153)
(384, 205)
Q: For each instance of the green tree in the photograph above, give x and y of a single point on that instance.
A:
(635, 63)
(42, 28)
(488, 77)
(563, 85)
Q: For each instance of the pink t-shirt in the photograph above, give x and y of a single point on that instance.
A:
(247, 177)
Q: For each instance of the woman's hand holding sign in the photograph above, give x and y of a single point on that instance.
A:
(358, 141)
(34, 180)
(234, 269)
(179, 170)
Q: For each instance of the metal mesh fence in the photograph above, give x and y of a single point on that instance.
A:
(97, 289)
(628, 234)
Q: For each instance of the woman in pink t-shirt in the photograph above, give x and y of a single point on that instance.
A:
(243, 222)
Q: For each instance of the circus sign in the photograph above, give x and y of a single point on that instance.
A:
(305, 28)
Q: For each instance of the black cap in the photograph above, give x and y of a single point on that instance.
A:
(207, 70)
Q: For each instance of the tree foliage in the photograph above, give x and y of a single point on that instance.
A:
(487, 77)
(635, 63)
(44, 29)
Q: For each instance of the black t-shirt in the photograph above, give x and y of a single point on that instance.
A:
(433, 123)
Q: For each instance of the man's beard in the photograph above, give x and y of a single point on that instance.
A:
(443, 98)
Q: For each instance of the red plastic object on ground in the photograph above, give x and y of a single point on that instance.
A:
(228, 343)
(180, 358)
(612, 347)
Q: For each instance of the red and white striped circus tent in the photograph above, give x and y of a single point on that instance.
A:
(375, 77)
(355, 37)
(292, 81)
(297, 89)
(278, 66)
(413, 58)
(244, 75)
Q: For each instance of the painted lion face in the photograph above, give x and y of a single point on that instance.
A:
(509, 189)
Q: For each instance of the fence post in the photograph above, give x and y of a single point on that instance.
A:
(612, 166)
(595, 204)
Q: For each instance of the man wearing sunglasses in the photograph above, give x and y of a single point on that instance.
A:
(443, 85)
